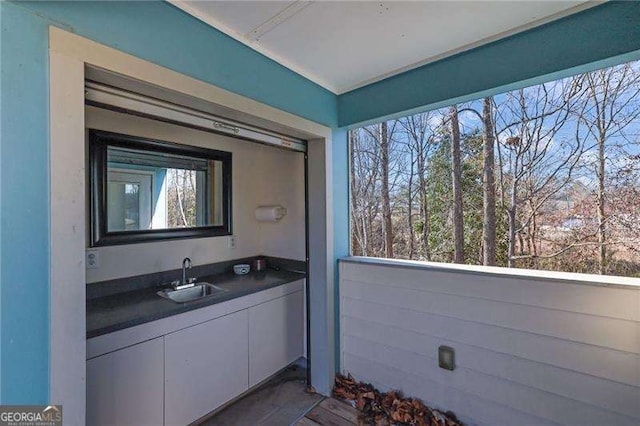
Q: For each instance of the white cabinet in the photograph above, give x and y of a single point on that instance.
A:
(276, 330)
(191, 364)
(205, 366)
(125, 387)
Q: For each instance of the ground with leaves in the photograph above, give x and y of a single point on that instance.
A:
(389, 408)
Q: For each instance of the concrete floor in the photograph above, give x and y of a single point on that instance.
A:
(280, 402)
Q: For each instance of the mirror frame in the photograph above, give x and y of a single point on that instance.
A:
(99, 140)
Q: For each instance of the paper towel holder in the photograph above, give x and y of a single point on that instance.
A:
(270, 213)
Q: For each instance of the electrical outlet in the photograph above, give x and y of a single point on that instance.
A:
(93, 259)
(446, 358)
(232, 241)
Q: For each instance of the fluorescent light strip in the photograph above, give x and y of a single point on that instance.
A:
(108, 96)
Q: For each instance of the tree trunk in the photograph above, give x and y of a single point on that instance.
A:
(488, 186)
(456, 179)
(511, 214)
(521, 243)
(424, 207)
(356, 235)
(386, 203)
(533, 236)
(602, 237)
(365, 237)
(410, 209)
(512, 236)
(181, 208)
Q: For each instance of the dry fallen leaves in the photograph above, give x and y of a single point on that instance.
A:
(389, 408)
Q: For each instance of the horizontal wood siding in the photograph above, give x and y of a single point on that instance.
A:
(528, 351)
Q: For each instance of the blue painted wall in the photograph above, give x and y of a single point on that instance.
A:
(162, 34)
(24, 202)
(154, 31)
(577, 43)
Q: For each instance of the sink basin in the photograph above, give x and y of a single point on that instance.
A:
(190, 294)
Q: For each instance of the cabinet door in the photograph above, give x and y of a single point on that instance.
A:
(205, 366)
(125, 387)
(276, 331)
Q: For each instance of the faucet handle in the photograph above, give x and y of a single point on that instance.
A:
(192, 280)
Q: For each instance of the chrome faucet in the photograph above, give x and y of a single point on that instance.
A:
(186, 282)
(186, 263)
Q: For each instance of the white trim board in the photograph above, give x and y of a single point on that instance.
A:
(71, 56)
(67, 227)
(499, 271)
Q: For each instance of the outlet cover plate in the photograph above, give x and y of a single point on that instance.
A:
(446, 358)
(93, 259)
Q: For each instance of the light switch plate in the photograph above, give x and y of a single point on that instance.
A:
(93, 259)
(232, 241)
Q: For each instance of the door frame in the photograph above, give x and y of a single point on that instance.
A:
(69, 57)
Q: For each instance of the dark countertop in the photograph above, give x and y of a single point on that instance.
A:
(123, 310)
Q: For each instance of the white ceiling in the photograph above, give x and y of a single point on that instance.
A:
(342, 45)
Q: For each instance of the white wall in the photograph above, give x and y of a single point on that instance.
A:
(280, 178)
(261, 175)
(529, 351)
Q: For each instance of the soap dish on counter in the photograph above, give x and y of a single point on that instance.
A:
(241, 269)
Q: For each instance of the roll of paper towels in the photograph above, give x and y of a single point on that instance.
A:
(270, 213)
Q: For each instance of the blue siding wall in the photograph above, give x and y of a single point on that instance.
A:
(578, 43)
(154, 31)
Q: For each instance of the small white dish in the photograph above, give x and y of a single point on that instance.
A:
(241, 269)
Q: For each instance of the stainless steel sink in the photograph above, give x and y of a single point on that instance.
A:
(190, 294)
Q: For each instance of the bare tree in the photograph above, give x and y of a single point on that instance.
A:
(386, 203)
(181, 196)
(410, 197)
(357, 231)
(488, 180)
(456, 180)
(488, 184)
(612, 106)
(421, 141)
(534, 163)
(365, 166)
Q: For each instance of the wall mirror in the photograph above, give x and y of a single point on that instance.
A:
(146, 190)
